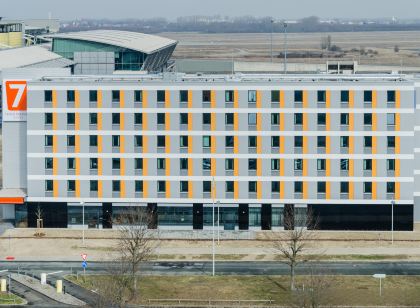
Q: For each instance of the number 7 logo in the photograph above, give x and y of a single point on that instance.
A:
(16, 95)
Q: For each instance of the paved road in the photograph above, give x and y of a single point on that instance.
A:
(227, 268)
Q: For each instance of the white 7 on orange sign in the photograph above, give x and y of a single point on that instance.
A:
(16, 95)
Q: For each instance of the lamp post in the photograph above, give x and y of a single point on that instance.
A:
(83, 222)
(213, 190)
(218, 222)
(392, 221)
(271, 38)
(285, 47)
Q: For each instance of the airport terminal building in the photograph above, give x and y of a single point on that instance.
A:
(345, 147)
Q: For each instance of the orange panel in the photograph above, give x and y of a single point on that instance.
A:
(12, 200)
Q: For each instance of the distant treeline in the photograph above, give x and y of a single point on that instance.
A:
(246, 24)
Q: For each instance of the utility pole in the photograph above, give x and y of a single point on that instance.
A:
(285, 47)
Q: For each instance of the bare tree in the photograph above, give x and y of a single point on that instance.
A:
(39, 214)
(293, 242)
(136, 242)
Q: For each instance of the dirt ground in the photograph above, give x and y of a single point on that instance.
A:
(256, 46)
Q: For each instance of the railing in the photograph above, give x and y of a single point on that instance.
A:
(212, 301)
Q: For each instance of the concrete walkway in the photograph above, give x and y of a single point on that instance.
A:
(47, 290)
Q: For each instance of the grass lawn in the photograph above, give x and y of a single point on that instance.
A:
(337, 290)
(6, 299)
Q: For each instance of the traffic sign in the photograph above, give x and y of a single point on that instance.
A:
(84, 256)
(84, 264)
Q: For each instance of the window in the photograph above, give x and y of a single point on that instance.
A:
(298, 164)
(321, 141)
(298, 141)
(138, 96)
(93, 96)
(48, 96)
(138, 163)
(367, 164)
(71, 141)
(160, 118)
(229, 118)
(160, 96)
(49, 186)
(161, 186)
(206, 164)
(344, 187)
(367, 187)
(70, 96)
(183, 163)
(344, 141)
(48, 141)
(322, 118)
(252, 164)
(206, 96)
(138, 186)
(48, 163)
(161, 141)
(390, 187)
(229, 141)
(367, 141)
(275, 96)
(298, 96)
(183, 186)
(138, 118)
(252, 141)
(252, 186)
(115, 141)
(183, 96)
(344, 164)
(391, 141)
(390, 119)
(229, 186)
(183, 118)
(206, 141)
(183, 141)
(229, 164)
(252, 96)
(115, 96)
(275, 187)
(344, 119)
(206, 186)
(345, 96)
(71, 185)
(116, 186)
(367, 96)
(321, 187)
(138, 141)
(390, 96)
(390, 164)
(275, 164)
(48, 118)
(367, 119)
(275, 119)
(116, 163)
(71, 118)
(206, 118)
(93, 185)
(229, 96)
(93, 163)
(161, 163)
(298, 119)
(322, 96)
(275, 141)
(252, 119)
(93, 118)
(116, 119)
(298, 187)
(93, 140)
(320, 164)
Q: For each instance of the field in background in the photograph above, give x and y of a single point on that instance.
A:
(378, 48)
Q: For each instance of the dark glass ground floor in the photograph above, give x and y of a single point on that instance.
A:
(236, 217)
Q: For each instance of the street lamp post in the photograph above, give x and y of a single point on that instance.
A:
(213, 246)
(392, 221)
(83, 222)
(285, 47)
(271, 37)
(218, 222)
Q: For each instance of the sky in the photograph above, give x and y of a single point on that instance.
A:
(171, 9)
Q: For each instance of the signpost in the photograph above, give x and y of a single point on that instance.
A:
(380, 277)
(84, 263)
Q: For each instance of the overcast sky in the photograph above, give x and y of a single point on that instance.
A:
(287, 9)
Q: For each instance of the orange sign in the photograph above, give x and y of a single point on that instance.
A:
(16, 95)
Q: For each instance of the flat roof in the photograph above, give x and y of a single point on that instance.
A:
(28, 56)
(141, 42)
